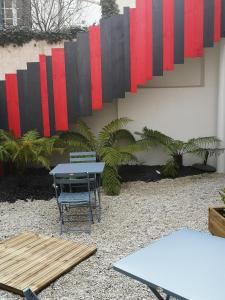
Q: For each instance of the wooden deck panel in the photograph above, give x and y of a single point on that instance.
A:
(34, 261)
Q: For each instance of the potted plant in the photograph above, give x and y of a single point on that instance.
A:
(217, 218)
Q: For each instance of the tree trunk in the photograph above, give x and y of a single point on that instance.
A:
(178, 158)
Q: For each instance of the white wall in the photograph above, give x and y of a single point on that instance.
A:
(180, 111)
(13, 58)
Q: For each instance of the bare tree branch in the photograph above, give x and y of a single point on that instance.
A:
(54, 15)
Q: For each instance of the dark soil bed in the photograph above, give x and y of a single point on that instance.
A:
(36, 184)
(151, 173)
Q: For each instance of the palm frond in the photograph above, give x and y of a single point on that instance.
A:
(83, 129)
(108, 130)
(4, 154)
(170, 169)
(133, 148)
(154, 137)
(74, 141)
(124, 136)
(111, 181)
(111, 156)
(205, 142)
(127, 157)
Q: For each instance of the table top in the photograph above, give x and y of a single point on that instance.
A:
(72, 168)
(187, 264)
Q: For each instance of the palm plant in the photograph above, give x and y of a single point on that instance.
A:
(206, 147)
(29, 150)
(114, 145)
(203, 147)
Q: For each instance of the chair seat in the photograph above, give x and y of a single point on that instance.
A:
(76, 198)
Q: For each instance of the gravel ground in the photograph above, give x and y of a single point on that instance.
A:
(141, 214)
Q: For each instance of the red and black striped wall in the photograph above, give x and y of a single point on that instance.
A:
(115, 57)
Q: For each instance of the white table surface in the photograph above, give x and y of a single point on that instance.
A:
(186, 263)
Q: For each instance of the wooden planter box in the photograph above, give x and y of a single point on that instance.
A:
(216, 222)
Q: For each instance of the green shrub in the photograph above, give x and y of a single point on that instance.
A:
(114, 145)
(29, 150)
(203, 147)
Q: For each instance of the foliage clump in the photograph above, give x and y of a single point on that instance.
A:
(203, 147)
(114, 145)
(18, 36)
(28, 151)
(109, 8)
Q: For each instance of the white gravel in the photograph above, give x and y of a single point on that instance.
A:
(142, 213)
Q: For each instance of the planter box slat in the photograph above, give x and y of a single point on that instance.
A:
(216, 222)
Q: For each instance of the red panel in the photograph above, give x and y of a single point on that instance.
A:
(59, 89)
(148, 39)
(96, 67)
(133, 49)
(12, 99)
(217, 20)
(44, 95)
(168, 35)
(141, 41)
(193, 28)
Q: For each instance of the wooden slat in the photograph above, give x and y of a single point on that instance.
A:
(23, 254)
(12, 240)
(31, 260)
(65, 266)
(50, 269)
(35, 261)
(216, 222)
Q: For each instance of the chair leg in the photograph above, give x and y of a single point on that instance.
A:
(61, 220)
(99, 205)
(90, 214)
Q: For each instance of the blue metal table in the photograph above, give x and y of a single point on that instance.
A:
(75, 168)
(186, 264)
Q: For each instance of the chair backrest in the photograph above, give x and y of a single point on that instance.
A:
(76, 157)
(80, 181)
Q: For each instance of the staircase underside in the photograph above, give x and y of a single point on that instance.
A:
(103, 64)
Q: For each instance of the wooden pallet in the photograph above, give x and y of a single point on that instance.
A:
(34, 260)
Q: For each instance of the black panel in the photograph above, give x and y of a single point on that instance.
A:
(106, 46)
(3, 107)
(23, 101)
(223, 18)
(208, 23)
(72, 83)
(118, 73)
(157, 28)
(50, 95)
(34, 97)
(126, 19)
(84, 73)
(178, 31)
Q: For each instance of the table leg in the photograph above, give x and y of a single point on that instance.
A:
(157, 294)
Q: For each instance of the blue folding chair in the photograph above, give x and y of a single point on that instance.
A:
(89, 157)
(67, 199)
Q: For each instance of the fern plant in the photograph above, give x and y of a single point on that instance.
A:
(29, 150)
(222, 196)
(203, 147)
(114, 145)
(206, 147)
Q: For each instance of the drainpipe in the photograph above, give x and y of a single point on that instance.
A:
(1, 14)
(221, 107)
